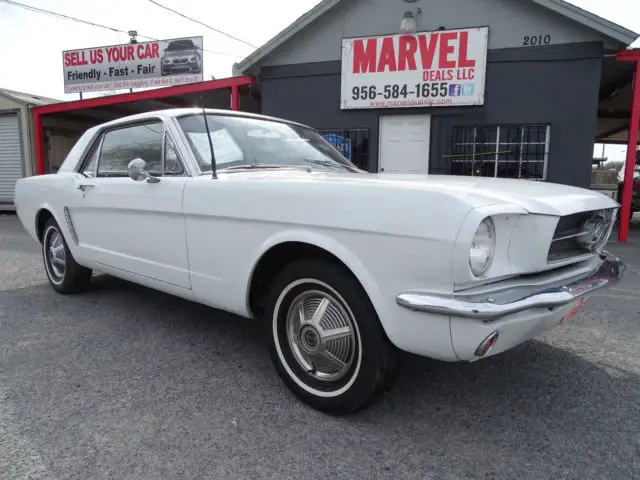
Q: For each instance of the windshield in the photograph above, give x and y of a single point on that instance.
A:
(180, 45)
(239, 141)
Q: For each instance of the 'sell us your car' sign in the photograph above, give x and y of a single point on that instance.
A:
(141, 65)
(439, 68)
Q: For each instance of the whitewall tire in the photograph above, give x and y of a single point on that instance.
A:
(325, 338)
(64, 273)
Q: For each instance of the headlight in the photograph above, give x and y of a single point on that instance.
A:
(482, 248)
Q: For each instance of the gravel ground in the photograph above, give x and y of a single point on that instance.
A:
(124, 382)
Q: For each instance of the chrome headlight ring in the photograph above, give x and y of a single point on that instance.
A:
(483, 247)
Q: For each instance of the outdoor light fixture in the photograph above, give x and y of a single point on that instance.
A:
(408, 23)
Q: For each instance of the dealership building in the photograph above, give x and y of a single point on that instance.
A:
(518, 89)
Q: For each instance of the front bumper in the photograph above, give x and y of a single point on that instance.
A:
(181, 67)
(505, 301)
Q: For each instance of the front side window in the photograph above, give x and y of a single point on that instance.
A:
(122, 145)
(239, 141)
(89, 168)
(172, 164)
(147, 141)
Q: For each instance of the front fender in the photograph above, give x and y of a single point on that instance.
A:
(325, 242)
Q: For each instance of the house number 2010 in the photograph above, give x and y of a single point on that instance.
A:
(537, 40)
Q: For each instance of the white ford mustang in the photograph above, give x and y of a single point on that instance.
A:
(344, 267)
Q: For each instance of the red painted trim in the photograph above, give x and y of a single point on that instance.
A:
(235, 98)
(232, 82)
(155, 94)
(631, 55)
(632, 144)
(39, 142)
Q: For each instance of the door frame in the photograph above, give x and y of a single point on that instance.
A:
(102, 259)
(401, 114)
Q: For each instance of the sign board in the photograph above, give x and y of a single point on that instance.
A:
(440, 68)
(161, 63)
(342, 144)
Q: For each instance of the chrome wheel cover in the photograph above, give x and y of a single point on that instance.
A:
(321, 335)
(55, 255)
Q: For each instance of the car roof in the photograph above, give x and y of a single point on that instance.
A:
(178, 112)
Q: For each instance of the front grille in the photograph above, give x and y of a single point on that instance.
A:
(568, 234)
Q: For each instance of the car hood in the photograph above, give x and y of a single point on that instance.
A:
(533, 196)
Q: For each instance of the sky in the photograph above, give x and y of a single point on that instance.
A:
(31, 43)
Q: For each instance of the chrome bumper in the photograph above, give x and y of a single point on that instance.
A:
(507, 301)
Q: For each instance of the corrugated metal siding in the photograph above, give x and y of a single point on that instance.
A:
(10, 156)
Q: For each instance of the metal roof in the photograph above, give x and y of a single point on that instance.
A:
(26, 98)
(155, 93)
(609, 29)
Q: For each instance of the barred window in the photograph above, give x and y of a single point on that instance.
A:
(500, 151)
(352, 143)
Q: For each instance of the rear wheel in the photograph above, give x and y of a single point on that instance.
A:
(325, 338)
(63, 272)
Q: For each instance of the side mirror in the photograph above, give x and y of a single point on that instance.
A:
(138, 171)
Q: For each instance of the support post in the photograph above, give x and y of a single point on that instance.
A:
(39, 143)
(632, 144)
(235, 98)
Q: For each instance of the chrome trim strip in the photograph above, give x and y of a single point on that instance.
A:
(502, 302)
(581, 233)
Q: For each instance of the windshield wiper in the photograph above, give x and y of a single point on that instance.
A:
(328, 163)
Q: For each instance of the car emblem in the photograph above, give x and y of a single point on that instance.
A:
(594, 231)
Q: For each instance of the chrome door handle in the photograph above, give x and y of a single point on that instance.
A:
(85, 186)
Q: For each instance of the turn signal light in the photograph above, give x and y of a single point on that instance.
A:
(487, 344)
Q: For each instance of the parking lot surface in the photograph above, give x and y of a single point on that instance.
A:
(127, 383)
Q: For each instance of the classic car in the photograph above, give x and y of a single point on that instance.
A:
(345, 269)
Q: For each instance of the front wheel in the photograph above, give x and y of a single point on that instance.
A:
(325, 338)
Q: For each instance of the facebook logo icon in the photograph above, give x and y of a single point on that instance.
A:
(454, 90)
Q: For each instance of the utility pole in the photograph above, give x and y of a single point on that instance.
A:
(133, 40)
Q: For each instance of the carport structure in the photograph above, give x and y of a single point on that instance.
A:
(619, 118)
(57, 126)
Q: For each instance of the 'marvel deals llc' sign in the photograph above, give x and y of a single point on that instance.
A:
(440, 68)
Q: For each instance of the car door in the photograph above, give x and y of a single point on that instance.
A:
(129, 225)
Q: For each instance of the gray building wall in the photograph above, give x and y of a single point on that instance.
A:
(509, 20)
(556, 84)
(553, 85)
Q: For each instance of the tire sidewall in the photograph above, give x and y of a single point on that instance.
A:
(51, 228)
(285, 355)
(365, 375)
(76, 278)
